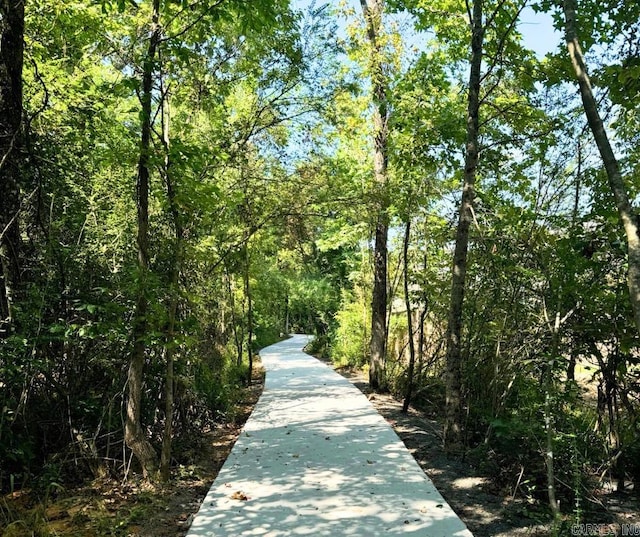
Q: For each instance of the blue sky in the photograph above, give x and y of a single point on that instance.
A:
(536, 28)
(538, 32)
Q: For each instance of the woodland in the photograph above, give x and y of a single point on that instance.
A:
(183, 182)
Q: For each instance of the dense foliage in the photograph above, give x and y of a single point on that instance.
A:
(260, 209)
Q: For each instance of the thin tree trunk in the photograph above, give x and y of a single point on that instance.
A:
(421, 337)
(423, 316)
(453, 429)
(286, 315)
(165, 457)
(571, 364)
(372, 10)
(407, 302)
(11, 61)
(378, 342)
(549, 392)
(548, 418)
(134, 433)
(616, 183)
(167, 435)
(247, 290)
(237, 338)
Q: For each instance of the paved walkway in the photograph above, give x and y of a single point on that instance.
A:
(316, 459)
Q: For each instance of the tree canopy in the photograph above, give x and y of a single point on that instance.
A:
(185, 182)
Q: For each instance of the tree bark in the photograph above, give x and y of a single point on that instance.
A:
(247, 290)
(11, 61)
(453, 428)
(373, 10)
(407, 302)
(549, 424)
(174, 293)
(618, 188)
(134, 433)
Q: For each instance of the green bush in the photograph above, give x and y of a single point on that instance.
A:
(511, 448)
(351, 339)
(320, 346)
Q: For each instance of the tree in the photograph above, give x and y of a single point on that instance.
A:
(483, 36)
(134, 432)
(101, 317)
(453, 428)
(11, 60)
(373, 11)
(410, 331)
(174, 289)
(627, 214)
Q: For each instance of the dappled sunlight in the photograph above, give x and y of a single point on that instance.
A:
(469, 483)
(315, 458)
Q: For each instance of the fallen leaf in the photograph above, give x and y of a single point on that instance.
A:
(238, 495)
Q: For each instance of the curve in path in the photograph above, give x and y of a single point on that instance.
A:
(315, 458)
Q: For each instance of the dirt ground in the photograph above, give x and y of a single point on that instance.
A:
(132, 509)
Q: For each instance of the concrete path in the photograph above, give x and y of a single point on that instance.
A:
(316, 459)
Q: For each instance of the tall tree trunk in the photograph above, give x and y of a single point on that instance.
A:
(174, 293)
(549, 424)
(11, 60)
(134, 433)
(247, 290)
(618, 188)
(549, 393)
(571, 364)
(407, 302)
(373, 10)
(453, 429)
(423, 313)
